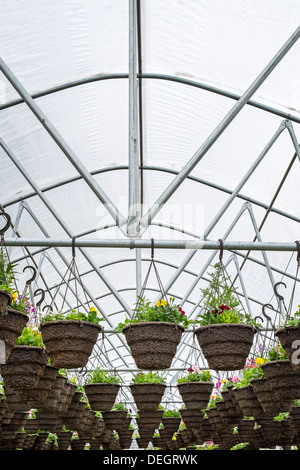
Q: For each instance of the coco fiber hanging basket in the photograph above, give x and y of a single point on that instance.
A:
(154, 332)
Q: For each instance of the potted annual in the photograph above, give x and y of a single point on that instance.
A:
(226, 332)
(195, 388)
(170, 423)
(284, 380)
(101, 389)
(261, 385)
(289, 336)
(154, 333)
(147, 390)
(70, 338)
(117, 419)
(244, 393)
(14, 321)
(26, 362)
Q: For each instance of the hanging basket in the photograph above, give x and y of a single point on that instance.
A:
(101, 396)
(147, 396)
(226, 346)
(289, 338)
(69, 343)
(195, 395)
(24, 367)
(170, 426)
(153, 345)
(11, 327)
(284, 382)
(115, 420)
(248, 402)
(271, 405)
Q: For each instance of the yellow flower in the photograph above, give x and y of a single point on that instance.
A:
(15, 295)
(161, 303)
(224, 381)
(92, 309)
(259, 360)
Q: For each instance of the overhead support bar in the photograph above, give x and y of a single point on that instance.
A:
(69, 153)
(152, 76)
(174, 185)
(163, 244)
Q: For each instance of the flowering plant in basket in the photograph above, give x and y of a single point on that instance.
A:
(161, 311)
(252, 370)
(70, 337)
(91, 316)
(221, 304)
(7, 274)
(30, 336)
(226, 332)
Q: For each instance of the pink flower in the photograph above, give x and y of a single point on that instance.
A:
(181, 311)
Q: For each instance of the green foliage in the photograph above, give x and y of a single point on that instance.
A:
(195, 375)
(100, 376)
(30, 336)
(91, 316)
(251, 371)
(164, 311)
(220, 302)
(172, 414)
(282, 416)
(277, 353)
(119, 406)
(21, 304)
(150, 377)
(294, 320)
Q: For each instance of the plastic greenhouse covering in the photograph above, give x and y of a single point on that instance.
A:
(152, 128)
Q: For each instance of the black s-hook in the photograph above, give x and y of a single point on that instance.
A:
(7, 225)
(29, 281)
(280, 297)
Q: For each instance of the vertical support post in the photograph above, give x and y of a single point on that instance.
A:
(134, 183)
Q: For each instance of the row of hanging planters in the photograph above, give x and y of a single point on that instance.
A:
(225, 331)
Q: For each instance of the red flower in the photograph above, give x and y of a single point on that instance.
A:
(181, 311)
(224, 307)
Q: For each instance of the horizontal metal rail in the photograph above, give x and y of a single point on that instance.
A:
(163, 244)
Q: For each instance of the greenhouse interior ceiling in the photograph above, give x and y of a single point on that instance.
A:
(148, 148)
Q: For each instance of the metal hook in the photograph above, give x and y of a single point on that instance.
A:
(29, 281)
(298, 250)
(152, 248)
(258, 318)
(280, 297)
(264, 313)
(38, 291)
(73, 247)
(47, 306)
(221, 249)
(8, 221)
